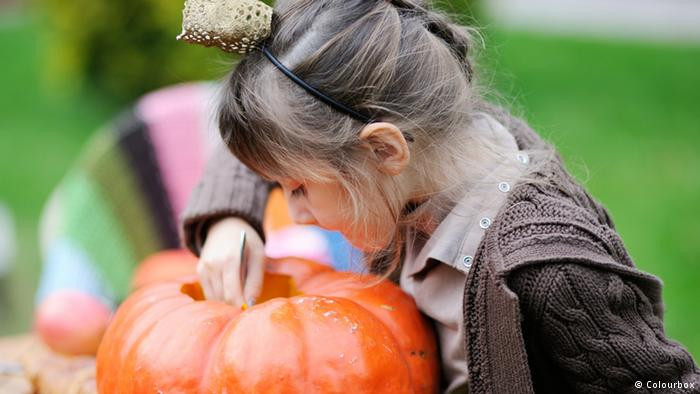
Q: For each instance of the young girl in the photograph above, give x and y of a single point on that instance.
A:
(368, 116)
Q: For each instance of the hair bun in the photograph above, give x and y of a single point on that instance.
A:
(454, 36)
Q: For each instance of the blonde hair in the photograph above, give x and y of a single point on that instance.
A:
(399, 60)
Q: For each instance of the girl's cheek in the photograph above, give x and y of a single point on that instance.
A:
(299, 212)
(330, 222)
(324, 209)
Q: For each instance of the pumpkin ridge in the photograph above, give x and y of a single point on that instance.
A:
(383, 300)
(234, 365)
(305, 341)
(113, 346)
(215, 344)
(147, 312)
(390, 332)
(163, 349)
(109, 347)
(129, 360)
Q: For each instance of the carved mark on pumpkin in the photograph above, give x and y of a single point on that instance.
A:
(193, 290)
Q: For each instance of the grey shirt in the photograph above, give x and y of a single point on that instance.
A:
(434, 270)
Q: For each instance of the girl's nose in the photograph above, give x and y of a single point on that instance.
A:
(300, 214)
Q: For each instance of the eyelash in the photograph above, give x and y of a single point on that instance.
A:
(299, 191)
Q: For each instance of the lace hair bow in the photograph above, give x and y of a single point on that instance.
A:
(240, 26)
(232, 25)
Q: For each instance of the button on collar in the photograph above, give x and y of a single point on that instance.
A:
(484, 223)
(467, 261)
(523, 158)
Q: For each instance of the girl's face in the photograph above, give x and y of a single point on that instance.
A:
(326, 205)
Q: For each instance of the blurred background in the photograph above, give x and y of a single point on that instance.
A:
(614, 84)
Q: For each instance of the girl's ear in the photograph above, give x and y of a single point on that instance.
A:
(388, 145)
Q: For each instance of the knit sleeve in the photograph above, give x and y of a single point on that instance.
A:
(227, 188)
(594, 331)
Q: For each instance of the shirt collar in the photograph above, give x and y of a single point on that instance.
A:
(457, 237)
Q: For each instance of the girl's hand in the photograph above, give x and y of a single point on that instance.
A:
(219, 268)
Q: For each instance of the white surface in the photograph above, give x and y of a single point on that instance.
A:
(655, 20)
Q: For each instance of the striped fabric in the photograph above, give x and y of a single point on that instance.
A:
(121, 200)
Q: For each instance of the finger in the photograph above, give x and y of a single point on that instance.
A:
(255, 276)
(217, 286)
(233, 283)
(229, 278)
(204, 281)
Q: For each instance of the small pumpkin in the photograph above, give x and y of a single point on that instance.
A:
(163, 266)
(313, 331)
(72, 322)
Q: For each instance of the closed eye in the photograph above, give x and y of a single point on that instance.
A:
(299, 191)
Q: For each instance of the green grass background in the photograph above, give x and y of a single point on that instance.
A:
(626, 118)
(624, 115)
(41, 133)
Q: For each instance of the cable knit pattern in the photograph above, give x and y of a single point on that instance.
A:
(554, 303)
(590, 321)
(599, 329)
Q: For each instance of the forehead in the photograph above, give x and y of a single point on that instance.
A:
(293, 176)
(287, 175)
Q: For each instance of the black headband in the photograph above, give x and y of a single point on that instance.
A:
(317, 93)
(338, 106)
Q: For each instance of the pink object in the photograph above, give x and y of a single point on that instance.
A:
(298, 241)
(72, 322)
(178, 120)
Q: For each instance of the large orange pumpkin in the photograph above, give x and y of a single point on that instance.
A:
(314, 331)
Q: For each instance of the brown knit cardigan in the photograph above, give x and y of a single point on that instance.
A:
(552, 302)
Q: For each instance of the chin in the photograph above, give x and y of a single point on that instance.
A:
(367, 242)
(368, 249)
